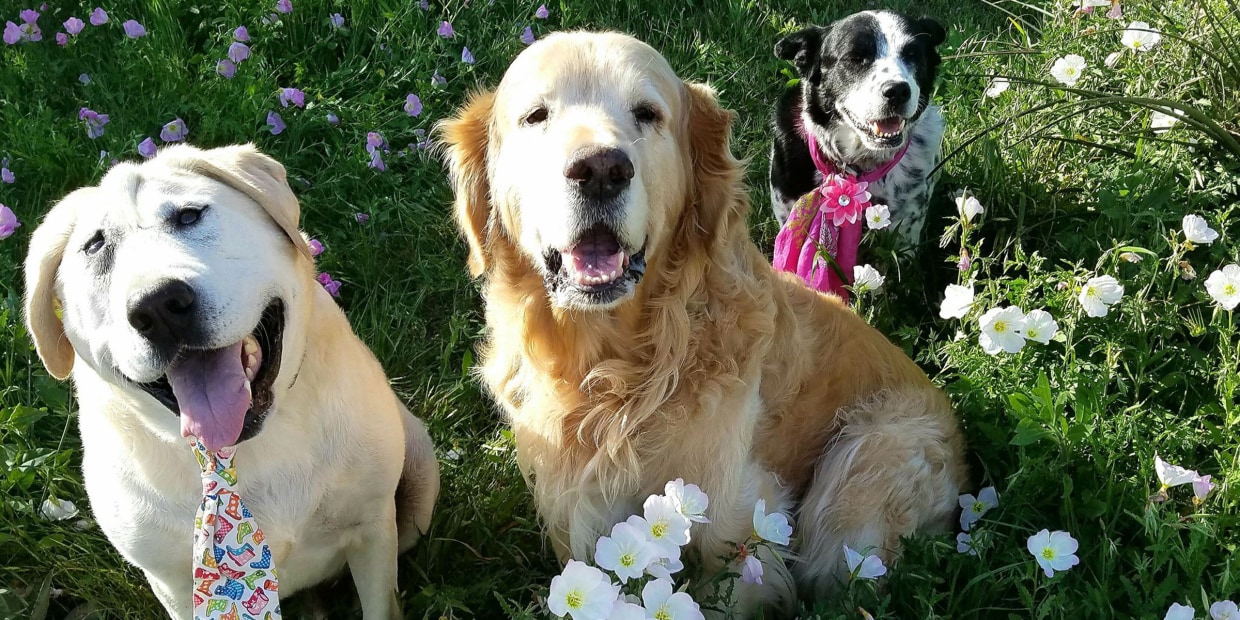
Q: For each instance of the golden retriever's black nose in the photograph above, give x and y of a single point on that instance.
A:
(164, 314)
(600, 172)
(897, 93)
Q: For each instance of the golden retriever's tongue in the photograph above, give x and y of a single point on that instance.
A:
(213, 395)
(596, 259)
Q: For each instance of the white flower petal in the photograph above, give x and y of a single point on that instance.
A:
(1224, 286)
(957, 301)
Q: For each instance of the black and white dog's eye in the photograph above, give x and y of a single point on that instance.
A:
(645, 114)
(187, 216)
(536, 116)
(95, 243)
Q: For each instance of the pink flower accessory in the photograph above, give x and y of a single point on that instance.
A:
(820, 240)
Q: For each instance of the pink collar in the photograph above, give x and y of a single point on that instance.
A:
(828, 168)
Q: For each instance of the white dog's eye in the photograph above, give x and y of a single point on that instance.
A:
(645, 114)
(187, 216)
(94, 244)
(536, 116)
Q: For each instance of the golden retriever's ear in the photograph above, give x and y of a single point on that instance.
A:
(47, 248)
(252, 173)
(464, 139)
(717, 189)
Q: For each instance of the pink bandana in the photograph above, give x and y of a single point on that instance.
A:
(843, 197)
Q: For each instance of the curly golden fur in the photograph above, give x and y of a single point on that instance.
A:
(716, 369)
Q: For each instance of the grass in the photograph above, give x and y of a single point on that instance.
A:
(1073, 181)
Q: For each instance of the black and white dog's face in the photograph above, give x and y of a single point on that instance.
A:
(866, 79)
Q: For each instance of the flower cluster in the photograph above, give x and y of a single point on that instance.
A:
(1173, 475)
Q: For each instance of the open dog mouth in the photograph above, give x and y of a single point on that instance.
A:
(885, 132)
(222, 395)
(596, 265)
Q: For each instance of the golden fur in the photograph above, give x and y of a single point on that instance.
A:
(717, 369)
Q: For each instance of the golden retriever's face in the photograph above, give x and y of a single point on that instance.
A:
(585, 169)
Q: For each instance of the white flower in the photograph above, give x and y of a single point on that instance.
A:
(1002, 330)
(751, 570)
(1179, 612)
(624, 610)
(58, 509)
(1099, 294)
(664, 524)
(1224, 610)
(666, 566)
(583, 592)
(1172, 475)
(957, 301)
(1113, 59)
(878, 217)
(968, 207)
(1068, 69)
(1224, 286)
(1161, 121)
(689, 499)
(627, 552)
(1040, 326)
(997, 87)
(964, 544)
(771, 528)
(975, 507)
(1054, 551)
(1089, 4)
(1140, 37)
(867, 278)
(1202, 487)
(662, 604)
(1197, 229)
(863, 566)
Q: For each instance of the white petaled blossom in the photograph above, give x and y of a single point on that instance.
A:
(1113, 59)
(863, 566)
(58, 509)
(1180, 612)
(1040, 326)
(773, 528)
(974, 507)
(867, 279)
(663, 604)
(968, 207)
(1002, 330)
(624, 610)
(997, 87)
(957, 301)
(1068, 69)
(1161, 121)
(689, 498)
(964, 544)
(663, 525)
(627, 552)
(1197, 229)
(877, 217)
(1140, 37)
(1054, 551)
(1224, 286)
(1172, 475)
(582, 592)
(1099, 294)
(1224, 610)
(666, 566)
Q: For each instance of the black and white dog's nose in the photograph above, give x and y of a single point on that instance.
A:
(897, 93)
(600, 173)
(163, 314)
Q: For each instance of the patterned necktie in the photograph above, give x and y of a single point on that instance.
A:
(234, 575)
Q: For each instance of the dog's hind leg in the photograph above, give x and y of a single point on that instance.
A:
(894, 468)
(419, 482)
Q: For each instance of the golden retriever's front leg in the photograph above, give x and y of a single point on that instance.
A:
(372, 560)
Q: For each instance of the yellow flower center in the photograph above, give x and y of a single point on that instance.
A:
(574, 599)
(658, 529)
(1032, 332)
(1229, 289)
(1048, 553)
(1091, 291)
(978, 507)
(627, 559)
(663, 614)
(1001, 326)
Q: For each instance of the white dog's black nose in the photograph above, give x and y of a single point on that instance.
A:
(163, 314)
(600, 172)
(897, 93)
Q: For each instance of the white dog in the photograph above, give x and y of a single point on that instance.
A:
(181, 296)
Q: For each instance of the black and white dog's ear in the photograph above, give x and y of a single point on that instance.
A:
(934, 30)
(801, 48)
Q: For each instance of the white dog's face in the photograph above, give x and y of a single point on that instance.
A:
(180, 286)
(584, 162)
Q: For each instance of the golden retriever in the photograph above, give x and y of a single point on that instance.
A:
(635, 333)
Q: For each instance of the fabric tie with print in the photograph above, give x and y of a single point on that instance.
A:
(234, 573)
(824, 226)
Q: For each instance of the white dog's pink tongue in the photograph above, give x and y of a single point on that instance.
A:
(597, 259)
(213, 394)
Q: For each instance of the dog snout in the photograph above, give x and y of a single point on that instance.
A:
(165, 313)
(897, 93)
(600, 172)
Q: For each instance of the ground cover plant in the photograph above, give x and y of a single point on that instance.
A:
(1083, 325)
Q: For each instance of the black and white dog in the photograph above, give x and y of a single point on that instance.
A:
(864, 94)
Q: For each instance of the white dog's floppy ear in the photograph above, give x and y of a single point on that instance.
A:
(252, 173)
(47, 248)
(801, 48)
(465, 139)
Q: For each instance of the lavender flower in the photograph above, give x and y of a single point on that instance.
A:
(147, 148)
(438, 80)
(424, 5)
(275, 123)
(413, 105)
(29, 16)
(337, 20)
(542, 12)
(293, 96)
(226, 68)
(98, 17)
(316, 247)
(527, 37)
(12, 33)
(8, 222)
(284, 6)
(174, 131)
(62, 39)
(445, 30)
(374, 141)
(241, 34)
(330, 285)
(333, 119)
(133, 29)
(84, 78)
(6, 175)
(376, 161)
(74, 25)
(361, 218)
(467, 57)
(94, 122)
(238, 52)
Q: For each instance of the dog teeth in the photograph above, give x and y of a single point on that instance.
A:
(250, 345)
(250, 373)
(249, 391)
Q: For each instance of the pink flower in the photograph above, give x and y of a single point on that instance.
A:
(74, 25)
(8, 222)
(332, 286)
(133, 29)
(845, 199)
(445, 30)
(316, 247)
(98, 17)
(284, 6)
(527, 37)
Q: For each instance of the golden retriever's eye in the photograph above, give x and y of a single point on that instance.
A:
(94, 244)
(645, 114)
(536, 116)
(187, 216)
